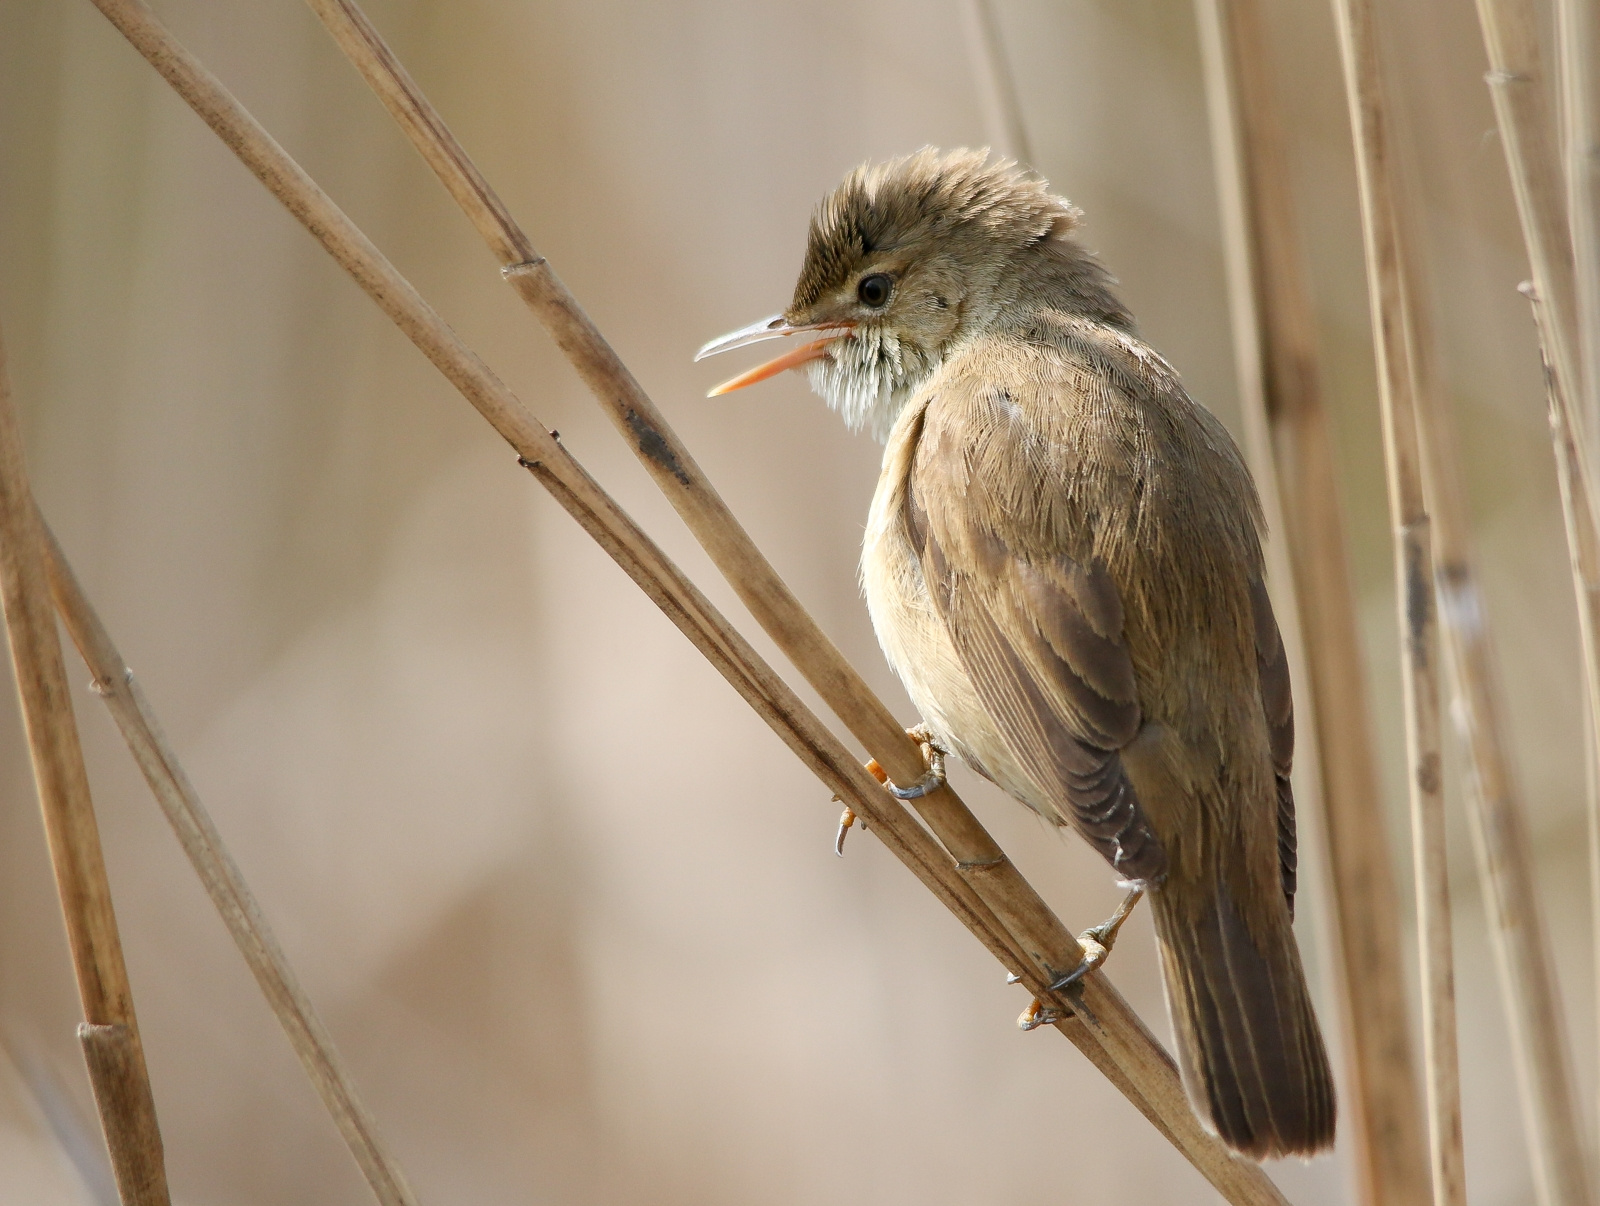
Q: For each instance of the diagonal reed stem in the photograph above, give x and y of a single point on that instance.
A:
(220, 875)
(1031, 942)
(1281, 396)
(110, 1035)
(1388, 297)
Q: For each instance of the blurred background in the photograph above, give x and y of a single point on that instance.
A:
(570, 909)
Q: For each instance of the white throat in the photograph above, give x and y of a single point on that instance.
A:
(868, 377)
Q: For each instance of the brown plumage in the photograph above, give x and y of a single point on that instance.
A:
(1063, 564)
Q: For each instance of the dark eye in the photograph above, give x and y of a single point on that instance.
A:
(874, 290)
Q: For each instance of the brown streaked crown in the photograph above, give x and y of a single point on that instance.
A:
(921, 199)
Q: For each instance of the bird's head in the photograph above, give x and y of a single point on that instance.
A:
(904, 261)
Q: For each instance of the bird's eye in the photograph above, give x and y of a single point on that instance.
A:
(874, 290)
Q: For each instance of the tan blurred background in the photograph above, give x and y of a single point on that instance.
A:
(570, 909)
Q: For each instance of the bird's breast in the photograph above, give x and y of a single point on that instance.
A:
(913, 635)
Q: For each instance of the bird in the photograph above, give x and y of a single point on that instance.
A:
(1063, 564)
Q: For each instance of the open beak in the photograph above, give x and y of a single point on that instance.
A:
(775, 327)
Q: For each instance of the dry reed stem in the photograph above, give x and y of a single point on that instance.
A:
(1562, 291)
(1583, 550)
(1106, 1029)
(121, 1085)
(122, 1097)
(1527, 128)
(632, 411)
(220, 875)
(1576, 28)
(1527, 131)
(1528, 988)
(1288, 429)
(996, 82)
(1418, 616)
(75, 1129)
(1495, 809)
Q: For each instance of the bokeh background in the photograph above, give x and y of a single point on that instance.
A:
(571, 911)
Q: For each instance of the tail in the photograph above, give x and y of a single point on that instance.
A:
(1249, 1047)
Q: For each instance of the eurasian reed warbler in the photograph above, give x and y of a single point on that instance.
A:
(1063, 564)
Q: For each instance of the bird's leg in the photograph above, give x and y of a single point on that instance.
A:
(1097, 942)
(932, 753)
(1105, 934)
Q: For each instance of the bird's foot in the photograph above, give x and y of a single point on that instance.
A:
(1039, 1014)
(1097, 942)
(933, 754)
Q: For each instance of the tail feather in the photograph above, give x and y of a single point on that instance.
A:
(1249, 1047)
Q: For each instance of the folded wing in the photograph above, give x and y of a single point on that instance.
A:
(1039, 634)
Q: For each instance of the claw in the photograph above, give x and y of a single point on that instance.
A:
(1094, 954)
(847, 818)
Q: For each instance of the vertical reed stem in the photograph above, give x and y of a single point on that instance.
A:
(1556, 213)
(1583, 550)
(1275, 348)
(1576, 28)
(1386, 258)
(1575, 34)
(121, 1084)
(1527, 129)
(997, 83)
(115, 1061)
(1495, 808)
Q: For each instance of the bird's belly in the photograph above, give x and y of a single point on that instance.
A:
(913, 638)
